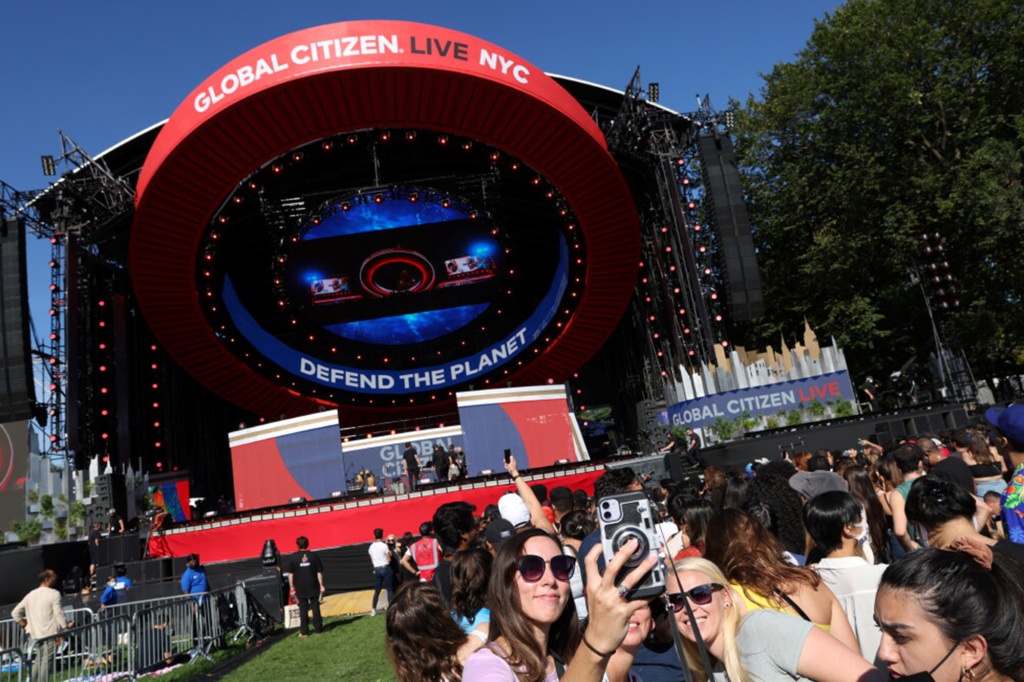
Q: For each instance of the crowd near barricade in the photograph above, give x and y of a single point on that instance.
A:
(133, 638)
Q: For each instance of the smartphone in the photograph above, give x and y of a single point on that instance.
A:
(624, 517)
(508, 455)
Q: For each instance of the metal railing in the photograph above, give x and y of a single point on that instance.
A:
(13, 636)
(158, 632)
(12, 666)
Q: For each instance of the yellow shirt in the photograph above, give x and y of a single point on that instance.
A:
(756, 602)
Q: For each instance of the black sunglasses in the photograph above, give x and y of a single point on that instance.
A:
(700, 595)
(531, 567)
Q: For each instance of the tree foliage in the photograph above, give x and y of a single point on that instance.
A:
(900, 117)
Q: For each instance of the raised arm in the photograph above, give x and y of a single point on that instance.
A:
(537, 516)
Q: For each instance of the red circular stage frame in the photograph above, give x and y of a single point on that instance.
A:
(355, 76)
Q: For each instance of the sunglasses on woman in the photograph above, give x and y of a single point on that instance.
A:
(700, 595)
(531, 567)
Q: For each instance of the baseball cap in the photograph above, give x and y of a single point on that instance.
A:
(498, 531)
(810, 484)
(1009, 420)
(513, 509)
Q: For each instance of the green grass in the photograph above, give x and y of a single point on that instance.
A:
(348, 649)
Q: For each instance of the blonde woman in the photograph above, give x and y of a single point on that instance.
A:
(763, 645)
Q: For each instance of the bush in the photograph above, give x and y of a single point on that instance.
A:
(794, 418)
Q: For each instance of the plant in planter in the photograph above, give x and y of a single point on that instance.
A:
(723, 428)
(816, 409)
(27, 531)
(794, 418)
(844, 408)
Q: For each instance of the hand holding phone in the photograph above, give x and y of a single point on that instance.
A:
(625, 517)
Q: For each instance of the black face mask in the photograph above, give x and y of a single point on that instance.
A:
(927, 676)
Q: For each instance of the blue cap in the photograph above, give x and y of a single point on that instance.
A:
(1009, 420)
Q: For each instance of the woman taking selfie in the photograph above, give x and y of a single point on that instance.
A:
(761, 645)
(535, 635)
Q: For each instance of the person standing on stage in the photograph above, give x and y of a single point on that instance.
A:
(411, 466)
(41, 615)
(306, 582)
(94, 551)
(383, 576)
(115, 526)
(692, 454)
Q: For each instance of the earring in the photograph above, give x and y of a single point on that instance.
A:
(968, 673)
(728, 605)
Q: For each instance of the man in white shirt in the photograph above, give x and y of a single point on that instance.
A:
(836, 522)
(380, 556)
(40, 614)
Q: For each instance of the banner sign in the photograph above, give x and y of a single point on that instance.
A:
(380, 381)
(532, 421)
(383, 455)
(763, 400)
(301, 457)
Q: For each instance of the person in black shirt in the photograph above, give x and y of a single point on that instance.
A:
(94, 550)
(116, 524)
(411, 463)
(306, 580)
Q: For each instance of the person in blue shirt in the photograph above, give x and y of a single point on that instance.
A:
(193, 580)
(116, 591)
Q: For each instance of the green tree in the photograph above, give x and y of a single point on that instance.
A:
(900, 117)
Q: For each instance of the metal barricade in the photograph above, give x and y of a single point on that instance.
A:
(193, 626)
(13, 636)
(12, 666)
(102, 648)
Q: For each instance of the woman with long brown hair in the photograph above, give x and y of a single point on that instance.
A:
(859, 480)
(986, 467)
(753, 561)
(423, 641)
(535, 634)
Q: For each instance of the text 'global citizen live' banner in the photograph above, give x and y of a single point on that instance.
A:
(763, 400)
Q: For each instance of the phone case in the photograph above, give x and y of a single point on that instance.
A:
(624, 516)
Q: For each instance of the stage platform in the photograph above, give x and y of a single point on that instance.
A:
(343, 522)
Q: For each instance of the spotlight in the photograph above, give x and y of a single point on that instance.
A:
(270, 556)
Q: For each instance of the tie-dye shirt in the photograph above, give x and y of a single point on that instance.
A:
(1012, 503)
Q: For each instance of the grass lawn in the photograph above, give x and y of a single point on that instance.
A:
(349, 649)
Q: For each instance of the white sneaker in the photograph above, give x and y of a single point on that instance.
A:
(373, 612)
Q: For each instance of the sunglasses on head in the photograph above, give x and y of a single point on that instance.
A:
(700, 595)
(531, 567)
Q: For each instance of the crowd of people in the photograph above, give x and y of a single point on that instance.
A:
(869, 564)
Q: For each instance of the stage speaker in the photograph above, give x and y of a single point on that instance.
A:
(269, 590)
(736, 243)
(109, 490)
(17, 389)
(120, 549)
(133, 569)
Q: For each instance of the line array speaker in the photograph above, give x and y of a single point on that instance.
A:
(17, 390)
(738, 260)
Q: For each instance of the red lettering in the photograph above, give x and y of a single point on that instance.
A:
(833, 389)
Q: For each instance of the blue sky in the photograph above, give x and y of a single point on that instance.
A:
(102, 71)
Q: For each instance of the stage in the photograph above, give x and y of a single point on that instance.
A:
(341, 522)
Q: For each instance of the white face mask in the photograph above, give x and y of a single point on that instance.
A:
(862, 533)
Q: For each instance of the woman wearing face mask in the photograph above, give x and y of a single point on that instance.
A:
(835, 521)
(952, 616)
(762, 645)
(535, 635)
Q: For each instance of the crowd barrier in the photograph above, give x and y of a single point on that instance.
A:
(12, 665)
(136, 637)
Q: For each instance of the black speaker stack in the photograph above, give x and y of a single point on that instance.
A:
(736, 243)
(17, 390)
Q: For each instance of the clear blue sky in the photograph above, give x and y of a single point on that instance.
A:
(104, 70)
